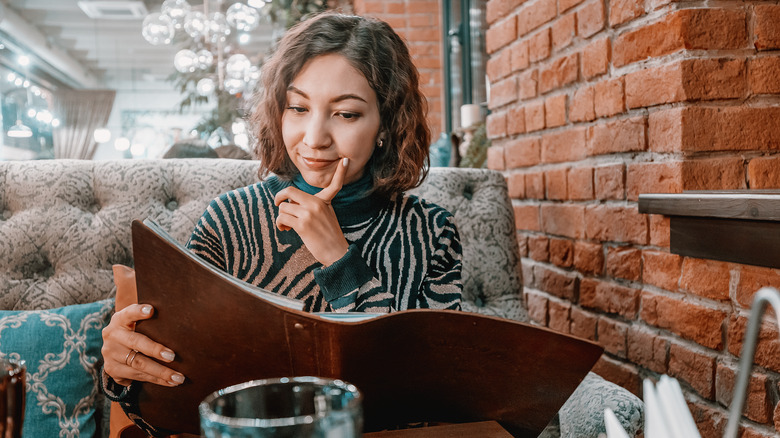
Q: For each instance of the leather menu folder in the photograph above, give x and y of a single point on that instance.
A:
(411, 366)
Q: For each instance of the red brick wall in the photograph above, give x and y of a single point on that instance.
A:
(596, 101)
(419, 23)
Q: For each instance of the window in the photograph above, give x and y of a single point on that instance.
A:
(466, 56)
(26, 122)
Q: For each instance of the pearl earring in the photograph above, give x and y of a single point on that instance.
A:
(379, 143)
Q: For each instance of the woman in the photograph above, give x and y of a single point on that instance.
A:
(340, 122)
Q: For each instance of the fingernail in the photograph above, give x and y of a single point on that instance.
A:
(345, 161)
(146, 309)
(168, 355)
(177, 378)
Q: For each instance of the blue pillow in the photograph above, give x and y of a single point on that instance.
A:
(61, 348)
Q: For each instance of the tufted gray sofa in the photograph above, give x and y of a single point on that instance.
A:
(64, 223)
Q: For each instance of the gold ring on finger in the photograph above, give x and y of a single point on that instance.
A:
(130, 357)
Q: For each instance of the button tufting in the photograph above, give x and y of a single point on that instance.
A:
(172, 205)
(94, 208)
(468, 192)
(6, 215)
(41, 269)
(479, 300)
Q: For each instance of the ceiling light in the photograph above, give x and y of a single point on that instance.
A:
(205, 86)
(31, 113)
(122, 144)
(238, 127)
(19, 130)
(101, 135)
(23, 60)
(55, 123)
(137, 149)
(241, 140)
(113, 9)
(206, 36)
(44, 116)
(257, 3)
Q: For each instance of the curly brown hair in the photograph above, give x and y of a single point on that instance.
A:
(373, 48)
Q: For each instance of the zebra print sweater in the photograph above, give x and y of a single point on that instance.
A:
(404, 253)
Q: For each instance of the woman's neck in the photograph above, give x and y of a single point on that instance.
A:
(349, 193)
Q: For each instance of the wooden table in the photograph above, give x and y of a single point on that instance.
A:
(483, 429)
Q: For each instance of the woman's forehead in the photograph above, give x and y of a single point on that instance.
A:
(331, 75)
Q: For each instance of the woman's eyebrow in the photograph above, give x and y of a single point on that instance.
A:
(297, 91)
(340, 98)
(348, 96)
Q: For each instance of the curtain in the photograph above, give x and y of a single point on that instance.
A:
(80, 113)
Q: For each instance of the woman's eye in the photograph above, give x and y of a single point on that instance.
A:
(349, 116)
(296, 109)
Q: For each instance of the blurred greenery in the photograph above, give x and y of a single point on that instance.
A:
(476, 153)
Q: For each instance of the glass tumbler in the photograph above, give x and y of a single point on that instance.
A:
(12, 398)
(284, 407)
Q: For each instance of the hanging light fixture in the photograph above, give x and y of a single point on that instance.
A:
(206, 33)
(19, 130)
(211, 38)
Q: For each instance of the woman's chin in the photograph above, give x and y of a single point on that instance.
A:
(317, 180)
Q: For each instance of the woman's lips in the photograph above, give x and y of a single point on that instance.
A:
(316, 163)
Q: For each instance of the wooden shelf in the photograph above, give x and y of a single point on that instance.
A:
(732, 226)
(753, 204)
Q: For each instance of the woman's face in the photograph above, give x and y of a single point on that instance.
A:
(331, 113)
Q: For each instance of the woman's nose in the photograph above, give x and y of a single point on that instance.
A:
(317, 133)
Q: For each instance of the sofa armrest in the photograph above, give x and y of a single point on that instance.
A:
(583, 413)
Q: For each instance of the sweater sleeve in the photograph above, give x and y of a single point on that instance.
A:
(349, 285)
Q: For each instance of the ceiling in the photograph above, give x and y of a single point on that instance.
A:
(70, 49)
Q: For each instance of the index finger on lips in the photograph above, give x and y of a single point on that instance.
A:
(328, 193)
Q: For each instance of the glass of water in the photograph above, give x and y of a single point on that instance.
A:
(284, 407)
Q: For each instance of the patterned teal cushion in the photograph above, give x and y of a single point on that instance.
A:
(61, 348)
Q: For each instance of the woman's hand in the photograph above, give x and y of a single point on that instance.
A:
(127, 354)
(313, 218)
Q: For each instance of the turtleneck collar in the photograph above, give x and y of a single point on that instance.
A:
(349, 193)
(353, 204)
